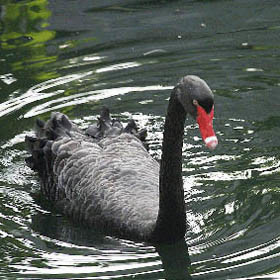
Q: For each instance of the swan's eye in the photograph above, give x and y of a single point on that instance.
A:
(195, 102)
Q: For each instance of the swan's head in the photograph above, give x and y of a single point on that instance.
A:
(198, 100)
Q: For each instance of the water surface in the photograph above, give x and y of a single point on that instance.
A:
(74, 57)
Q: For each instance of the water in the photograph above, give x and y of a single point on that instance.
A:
(74, 57)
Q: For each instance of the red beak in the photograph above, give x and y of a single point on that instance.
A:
(205, 123)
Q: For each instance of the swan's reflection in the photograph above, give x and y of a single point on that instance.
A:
(175, 260)
(58, 237)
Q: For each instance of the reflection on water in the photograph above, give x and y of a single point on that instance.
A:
(175, 260)
(75, 56)
(23, 37)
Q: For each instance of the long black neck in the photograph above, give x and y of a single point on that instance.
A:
(171, 221)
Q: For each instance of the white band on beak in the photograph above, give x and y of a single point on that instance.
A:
(210, 139)
(211, 142)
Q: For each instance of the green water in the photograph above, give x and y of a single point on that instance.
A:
(74, 57)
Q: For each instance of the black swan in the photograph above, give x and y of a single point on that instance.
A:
(105, 178)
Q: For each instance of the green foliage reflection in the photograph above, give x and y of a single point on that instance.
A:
(23, 31)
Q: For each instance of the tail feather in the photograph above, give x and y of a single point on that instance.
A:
(39, 128)
(105, 114)
(133, 129)
(55, 140)
(36, 148)
(105, 126)
(108, 127)
(41, 149)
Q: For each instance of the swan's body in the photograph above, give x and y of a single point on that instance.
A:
(106, 179)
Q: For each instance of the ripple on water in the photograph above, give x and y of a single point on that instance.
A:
(231, 194)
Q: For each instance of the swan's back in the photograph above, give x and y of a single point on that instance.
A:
(104, 178)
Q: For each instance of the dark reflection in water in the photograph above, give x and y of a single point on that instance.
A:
(175, 260)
